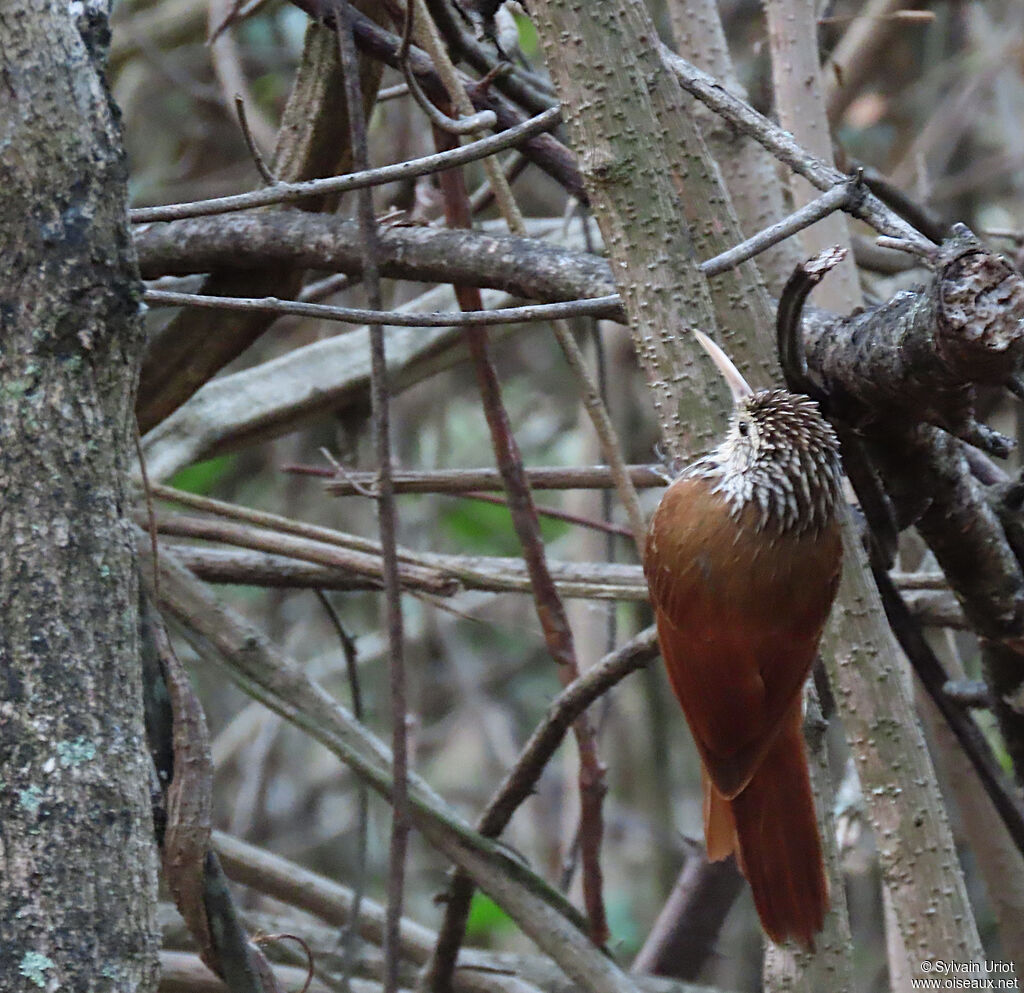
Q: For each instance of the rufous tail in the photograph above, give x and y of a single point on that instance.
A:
(772, 826)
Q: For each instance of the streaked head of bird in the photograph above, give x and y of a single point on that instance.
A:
(779, 455)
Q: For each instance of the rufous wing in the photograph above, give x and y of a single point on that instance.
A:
(739, 615)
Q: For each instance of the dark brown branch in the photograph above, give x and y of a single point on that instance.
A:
(909, 209)
(968, 734)
(525, 267)
(686, 931)
(917, 356)
(191, 867)
(527, 91)
(930, 484)
(969, 693)
(437, 117)
(883, 532)
(550, 613)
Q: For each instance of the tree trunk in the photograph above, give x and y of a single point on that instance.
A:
(77, 861)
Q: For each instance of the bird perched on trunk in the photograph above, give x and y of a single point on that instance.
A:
(743, 560)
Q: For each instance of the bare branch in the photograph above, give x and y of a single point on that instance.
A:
(332, 185)
(606, 306)
(781, 144)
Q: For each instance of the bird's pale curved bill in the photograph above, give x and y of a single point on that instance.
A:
(737, 384)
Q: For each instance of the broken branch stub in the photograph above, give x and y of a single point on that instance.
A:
(920, 354)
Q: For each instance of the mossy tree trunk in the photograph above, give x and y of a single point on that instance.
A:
(77, 862)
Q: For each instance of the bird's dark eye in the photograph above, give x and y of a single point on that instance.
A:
(744, 428)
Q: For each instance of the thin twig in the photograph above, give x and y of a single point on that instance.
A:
(550, 612)
(483, 196)
(291, 192)
(439, 119)
(552, 512)
(227, 63)
(454, 125)
(592, 307)
(596, 477)
(386, 517)
(604, 429)
(334, 283)
(845, 196)
(349, 937)
(562, 714)
(392, 92)
(523, 87)
(782, 145)
(147, 490)
(602, 385)
(926, 220)
(257, 156)
(340, 470)
(367, 564)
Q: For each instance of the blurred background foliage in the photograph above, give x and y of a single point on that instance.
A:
(939, 112)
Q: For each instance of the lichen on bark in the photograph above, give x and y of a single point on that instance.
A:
(77, 865)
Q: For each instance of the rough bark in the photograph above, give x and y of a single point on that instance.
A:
(800, 105)
(749, 172)
(653, 201)
(77, 858)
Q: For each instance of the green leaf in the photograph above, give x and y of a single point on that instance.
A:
(528, 41)
(486, 920)
(201, 477)
(486, 528)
